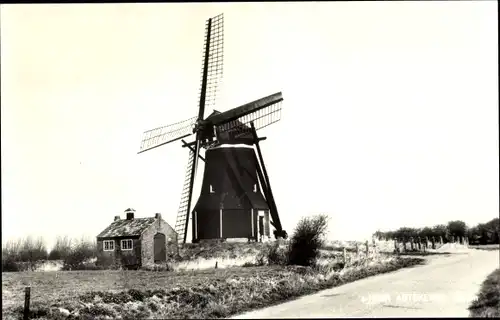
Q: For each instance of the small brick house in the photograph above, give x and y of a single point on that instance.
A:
(135, 242)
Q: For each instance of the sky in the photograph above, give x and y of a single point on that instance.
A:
(390, 111)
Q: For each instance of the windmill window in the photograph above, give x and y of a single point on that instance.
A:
(212, 189)
(127, 244)
(109, 245)
(255, 188)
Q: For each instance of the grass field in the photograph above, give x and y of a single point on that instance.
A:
(209, 293)
(50, 286)
(487, 303)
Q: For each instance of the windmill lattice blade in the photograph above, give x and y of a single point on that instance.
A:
(215, 59)
(192, 177)
(163, 135)
(261, 118)
(182, 213)
(248, 108)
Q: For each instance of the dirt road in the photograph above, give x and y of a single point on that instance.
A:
(444, 288)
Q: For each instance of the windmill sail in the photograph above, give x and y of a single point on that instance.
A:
(246, 109)
(157, 137)
(262, 112)
(261, 119)
(182, 213)
(211, 75)
(215, 59)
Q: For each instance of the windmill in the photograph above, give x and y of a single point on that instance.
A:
(231, 204)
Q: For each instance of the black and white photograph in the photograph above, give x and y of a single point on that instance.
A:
(250, 160)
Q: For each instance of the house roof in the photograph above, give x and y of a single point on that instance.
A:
(120, 228)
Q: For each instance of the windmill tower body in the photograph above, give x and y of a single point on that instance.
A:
(231, 204)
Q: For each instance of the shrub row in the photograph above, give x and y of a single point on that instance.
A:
(29, 254)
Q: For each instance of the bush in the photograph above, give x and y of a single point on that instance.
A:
(10, 256)
(107, 262)
(23, 254)
(487, 303)
(129, 261)
(165, 266)
(9, 264)
(61, 249)
(276, 255)
(306, 241)
(33, 250)
(78, 258)
(272, 254)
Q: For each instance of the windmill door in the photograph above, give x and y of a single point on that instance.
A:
(236, 223)
(261, 226)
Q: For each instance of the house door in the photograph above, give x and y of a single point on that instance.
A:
(160, 248)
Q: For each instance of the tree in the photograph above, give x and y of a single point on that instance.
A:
(440, 230)
(473, 235)
(426, 232)
(493, 227)
(33, 250)
(307, 239)
(389, 235)
(483, 232)
(61, 249)
(405, 233)
(80, 253)
(379, 235)
(457, 228)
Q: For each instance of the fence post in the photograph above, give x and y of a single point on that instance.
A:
(367, 249)
(27, 296)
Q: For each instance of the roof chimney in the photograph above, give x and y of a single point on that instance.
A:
(158, 216)
(117, 218)
(130, 214)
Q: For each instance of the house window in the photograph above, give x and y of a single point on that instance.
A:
(127, 244)
(212, 189)
(255, 188)
(109, 245)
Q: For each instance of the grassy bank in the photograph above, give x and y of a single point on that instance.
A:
(486, 247)
(487, 303)
(213, 293)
